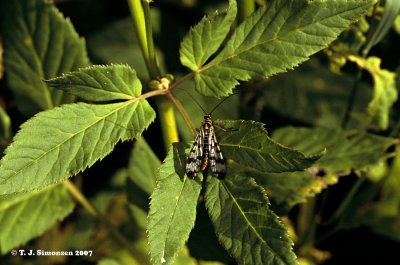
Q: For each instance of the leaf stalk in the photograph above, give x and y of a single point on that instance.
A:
(183, 112)
(306, 223)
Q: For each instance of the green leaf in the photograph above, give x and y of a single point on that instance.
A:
(312, 95)
(283, 189)
(277, 37)
(63, 141)
(204, 39)
(141, 182)
(28, 215)
(100, 83)
(248, 144)
(385, 91)
(203, 243)
(244, 224)
(345, 150)
(143, 166)
(39, 44)
(117, 43)
(173, 207)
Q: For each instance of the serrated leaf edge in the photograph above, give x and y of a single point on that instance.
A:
(263, 192)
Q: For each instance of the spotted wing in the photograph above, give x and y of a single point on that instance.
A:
(217, 162)
(195, 157)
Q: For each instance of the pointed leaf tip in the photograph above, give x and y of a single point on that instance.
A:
(100, 83)
(274, 39)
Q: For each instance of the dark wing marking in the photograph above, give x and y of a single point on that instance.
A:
(195, 157)
(217, 162)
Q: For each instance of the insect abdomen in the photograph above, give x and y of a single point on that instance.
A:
(206, 151)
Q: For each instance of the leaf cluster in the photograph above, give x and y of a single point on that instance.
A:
(327, 122)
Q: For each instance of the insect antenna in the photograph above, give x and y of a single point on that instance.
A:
(222, 101)
(215, 107)
(194, 99)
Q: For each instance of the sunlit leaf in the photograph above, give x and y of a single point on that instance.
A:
(173, 207)
(385, 91)
(344, 149)
(63, 141)
(100, 83)
(248, 144)
(284, 189)
(204, 39)
(276, 38)
(244, 224)
(28, 215)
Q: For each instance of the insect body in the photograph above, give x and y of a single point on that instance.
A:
(206, 151)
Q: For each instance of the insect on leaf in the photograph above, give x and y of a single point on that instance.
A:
(206, 151)
(173, 208)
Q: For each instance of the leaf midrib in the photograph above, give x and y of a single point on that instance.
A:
(26, 22)
(173, 214)
(228, 57)
(249, 223)
(15, 173)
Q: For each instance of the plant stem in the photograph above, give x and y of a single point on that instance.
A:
(142, 23)
(176, 102)
(139, 25)
(245, 8)
(92, 210)
(153, 67)
(168, 123)
(140, 11)
(306, 222)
